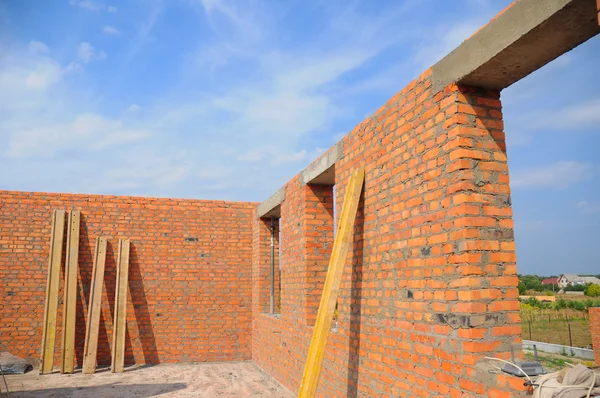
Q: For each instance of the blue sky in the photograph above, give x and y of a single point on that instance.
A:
(221, 99)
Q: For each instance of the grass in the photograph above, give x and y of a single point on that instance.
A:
(572, 297)
(553, 362)
(556, 331)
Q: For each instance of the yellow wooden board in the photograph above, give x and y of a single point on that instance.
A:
(93, 317)
(70, 293)
(343, 240)
(120, 318)
(51, 306)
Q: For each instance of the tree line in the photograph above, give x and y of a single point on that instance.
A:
(534, 282)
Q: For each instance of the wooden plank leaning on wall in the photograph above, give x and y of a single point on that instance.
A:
(70, 293)
(335, 271)
(93, 319)
(120, 317)
(51, 305)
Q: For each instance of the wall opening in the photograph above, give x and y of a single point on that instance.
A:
(274, 266)
(551, 152)
(319, 235)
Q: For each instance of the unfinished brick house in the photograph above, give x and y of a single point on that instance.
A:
(430, 284)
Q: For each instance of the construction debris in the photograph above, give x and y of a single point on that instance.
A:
(576, 382)
(13, 365)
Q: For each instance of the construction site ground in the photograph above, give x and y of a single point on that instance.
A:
(232, 379)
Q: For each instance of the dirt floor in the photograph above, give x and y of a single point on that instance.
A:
(232, 379)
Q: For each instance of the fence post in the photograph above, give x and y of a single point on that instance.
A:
(570, 338)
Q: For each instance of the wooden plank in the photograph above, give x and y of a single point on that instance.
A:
(93, 317)
(70, 293)
(51, 305)
(120, 318)
(343, 240)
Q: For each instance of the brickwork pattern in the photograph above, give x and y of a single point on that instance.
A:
(189, 276)
(430, 286)
(595, 332)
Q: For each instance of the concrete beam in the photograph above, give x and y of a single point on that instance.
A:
(272, 206)
(524, 38)
(322, 170)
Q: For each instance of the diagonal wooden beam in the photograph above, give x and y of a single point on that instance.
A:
(51, 306)
(120, 318)
(335, 271)
(70, 293)
(93, 317)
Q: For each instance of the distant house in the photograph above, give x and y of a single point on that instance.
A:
(574, 279)
(550, 281)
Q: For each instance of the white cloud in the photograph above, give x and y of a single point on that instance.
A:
(588, 207)
(553, 176)
(25, 79)
(43, 76)
(38, 47)
(289, 157)
(517, 138)
(86, 132)
(572, 117)
(72, 67)
(447, 39)
(92, 6)
(111, 30)
(145, 167)
(580, 115)
(251, 156)
(87, 53)
(214, 173)
(133, 108)
(261, 126)
(87, 4)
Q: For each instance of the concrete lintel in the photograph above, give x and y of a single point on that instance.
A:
(272, 206)
(524, 38)
(322, 170)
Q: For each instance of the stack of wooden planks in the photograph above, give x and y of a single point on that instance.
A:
(70, 298)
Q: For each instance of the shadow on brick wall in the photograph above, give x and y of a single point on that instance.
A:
(355, 302)
(110, 277)
(142, 314)
(137, 296)
(83, 289)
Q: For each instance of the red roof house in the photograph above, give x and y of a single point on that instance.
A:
(550, 281)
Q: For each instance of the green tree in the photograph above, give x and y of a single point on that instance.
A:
(522, 287)
(574, 288)
(592, 290)
(532, 282)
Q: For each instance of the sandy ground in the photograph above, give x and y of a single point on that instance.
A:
(232, 379)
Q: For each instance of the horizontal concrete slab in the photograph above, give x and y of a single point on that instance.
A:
(322, 170)
(584, 353)
(272, 206)
(524, 38)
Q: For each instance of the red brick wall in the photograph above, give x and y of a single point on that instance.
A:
(595, 332)
(430, 284)
(188, 300)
